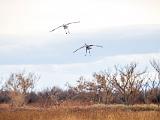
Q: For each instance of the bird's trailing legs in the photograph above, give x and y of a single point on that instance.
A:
(88, 51)
(67, 31)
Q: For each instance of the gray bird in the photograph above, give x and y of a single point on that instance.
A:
(87, 47)
(65, 27)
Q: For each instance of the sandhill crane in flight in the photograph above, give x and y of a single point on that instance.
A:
(65, 27)
(87, 47)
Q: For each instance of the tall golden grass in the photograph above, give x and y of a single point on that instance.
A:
(94, 112)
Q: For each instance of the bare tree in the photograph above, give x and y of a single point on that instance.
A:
(102, 87)
(128, 82)
(98, 89)
(155, 83)
(81, 85)
(19, 84)
(156, 65)
(81, 90)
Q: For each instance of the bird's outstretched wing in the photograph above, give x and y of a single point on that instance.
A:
(73, 22)
(56, 28)
(78, 49)
(97, 45)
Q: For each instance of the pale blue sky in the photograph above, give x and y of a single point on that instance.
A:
(125, 40)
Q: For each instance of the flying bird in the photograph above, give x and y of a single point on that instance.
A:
(65, 27)
(87, 47)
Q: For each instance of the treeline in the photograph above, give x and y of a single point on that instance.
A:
(126, 85)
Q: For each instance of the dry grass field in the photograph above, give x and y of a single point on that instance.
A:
(93, 112)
